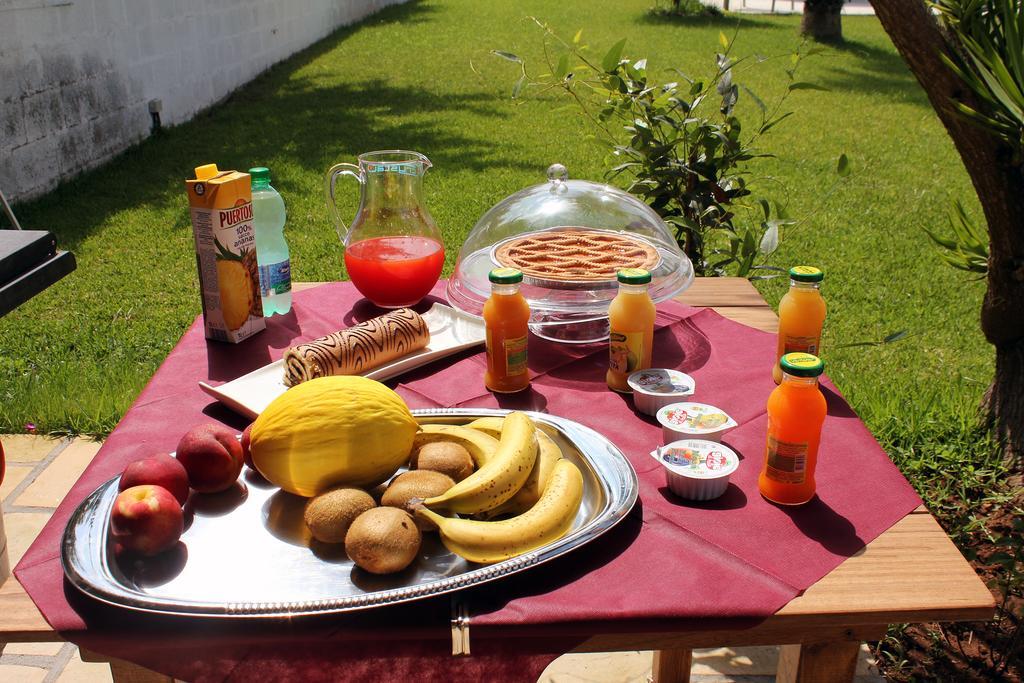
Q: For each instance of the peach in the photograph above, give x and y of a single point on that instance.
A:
(246, 438)
(146, 519)
(212, 456)
(159, 470)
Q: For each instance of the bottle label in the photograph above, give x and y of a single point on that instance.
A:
(276, 278)
(515, 356)
(625, 351)
(802, 345)
(787, 461)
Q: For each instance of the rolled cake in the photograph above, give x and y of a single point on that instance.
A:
(357, 349)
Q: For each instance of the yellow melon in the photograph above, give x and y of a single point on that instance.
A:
(331, 431)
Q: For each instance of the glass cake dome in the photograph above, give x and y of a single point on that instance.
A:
(569, 237)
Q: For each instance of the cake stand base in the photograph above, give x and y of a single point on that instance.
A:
(571, 328)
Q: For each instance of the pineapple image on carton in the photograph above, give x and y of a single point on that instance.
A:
(220, 204)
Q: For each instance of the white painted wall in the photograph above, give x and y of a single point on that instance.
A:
(76, 76)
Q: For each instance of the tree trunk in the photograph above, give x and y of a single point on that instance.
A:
(822, 21)
(998, 179)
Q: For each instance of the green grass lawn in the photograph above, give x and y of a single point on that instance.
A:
(419, 76)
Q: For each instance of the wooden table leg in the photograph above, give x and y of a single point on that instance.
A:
(672, 666)
(125, 672)
(834, 662)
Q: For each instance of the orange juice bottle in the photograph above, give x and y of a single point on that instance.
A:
(796, 411)
(801, 315)
(631, 319)
(506, 316)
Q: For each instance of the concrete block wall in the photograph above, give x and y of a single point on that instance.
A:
(77, 76)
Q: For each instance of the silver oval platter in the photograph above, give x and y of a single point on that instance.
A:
(247, 553)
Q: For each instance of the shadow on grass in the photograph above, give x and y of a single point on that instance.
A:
(724, 21)
(283, 119)
(876, 71)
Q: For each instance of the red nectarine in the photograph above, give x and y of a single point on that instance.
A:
(159, 470)
(212, 457)
(146, 519)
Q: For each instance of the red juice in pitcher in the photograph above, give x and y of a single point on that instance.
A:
(394, 271)
(393, 249)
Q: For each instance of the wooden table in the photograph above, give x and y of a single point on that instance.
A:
(911, 573)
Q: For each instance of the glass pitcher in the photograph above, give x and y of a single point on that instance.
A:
(393, 249)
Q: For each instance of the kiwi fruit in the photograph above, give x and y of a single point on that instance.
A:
(329, 514)
(416, 484)
(383, 540)
(446, 457)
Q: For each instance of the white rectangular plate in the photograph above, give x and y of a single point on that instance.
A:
(451, 331)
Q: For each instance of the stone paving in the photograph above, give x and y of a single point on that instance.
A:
(40, 470)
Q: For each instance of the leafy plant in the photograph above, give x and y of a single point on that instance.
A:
(680, 145)
(990, 61)
(685, 8)
(887, 339)
(988, 56)
(967, 248)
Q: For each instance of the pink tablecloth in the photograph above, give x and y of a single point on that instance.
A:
(670, 564)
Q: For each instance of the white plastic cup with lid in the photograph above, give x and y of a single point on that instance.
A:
(655, 388)
(697, 469)
(688, 420)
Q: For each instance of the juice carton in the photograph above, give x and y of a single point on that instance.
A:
(221, 206)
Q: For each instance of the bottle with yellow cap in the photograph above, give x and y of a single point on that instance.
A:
(631, 323)
(801, 315)
(506, 319)
(796, 413)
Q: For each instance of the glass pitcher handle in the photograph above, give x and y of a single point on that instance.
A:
(332, 207)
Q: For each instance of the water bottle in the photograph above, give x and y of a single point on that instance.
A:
(271, 249)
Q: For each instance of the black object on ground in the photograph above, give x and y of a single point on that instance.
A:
(29, 263)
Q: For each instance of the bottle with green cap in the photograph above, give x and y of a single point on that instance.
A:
(506, 319)
(801, 315)
(268, 218)
(796, 413)
(631, 328)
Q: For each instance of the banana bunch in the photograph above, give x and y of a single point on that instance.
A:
(526, 497)
(481, 445)
(494, 541)
(501, 476)
(524, 475)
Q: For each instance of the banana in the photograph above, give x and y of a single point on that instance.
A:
(547, 455)
(545, 522)
(481, 446)
(501, 476)
(488, 425)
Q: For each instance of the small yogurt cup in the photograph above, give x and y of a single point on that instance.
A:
(696, 469)
(693, 421)
(658, 387)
